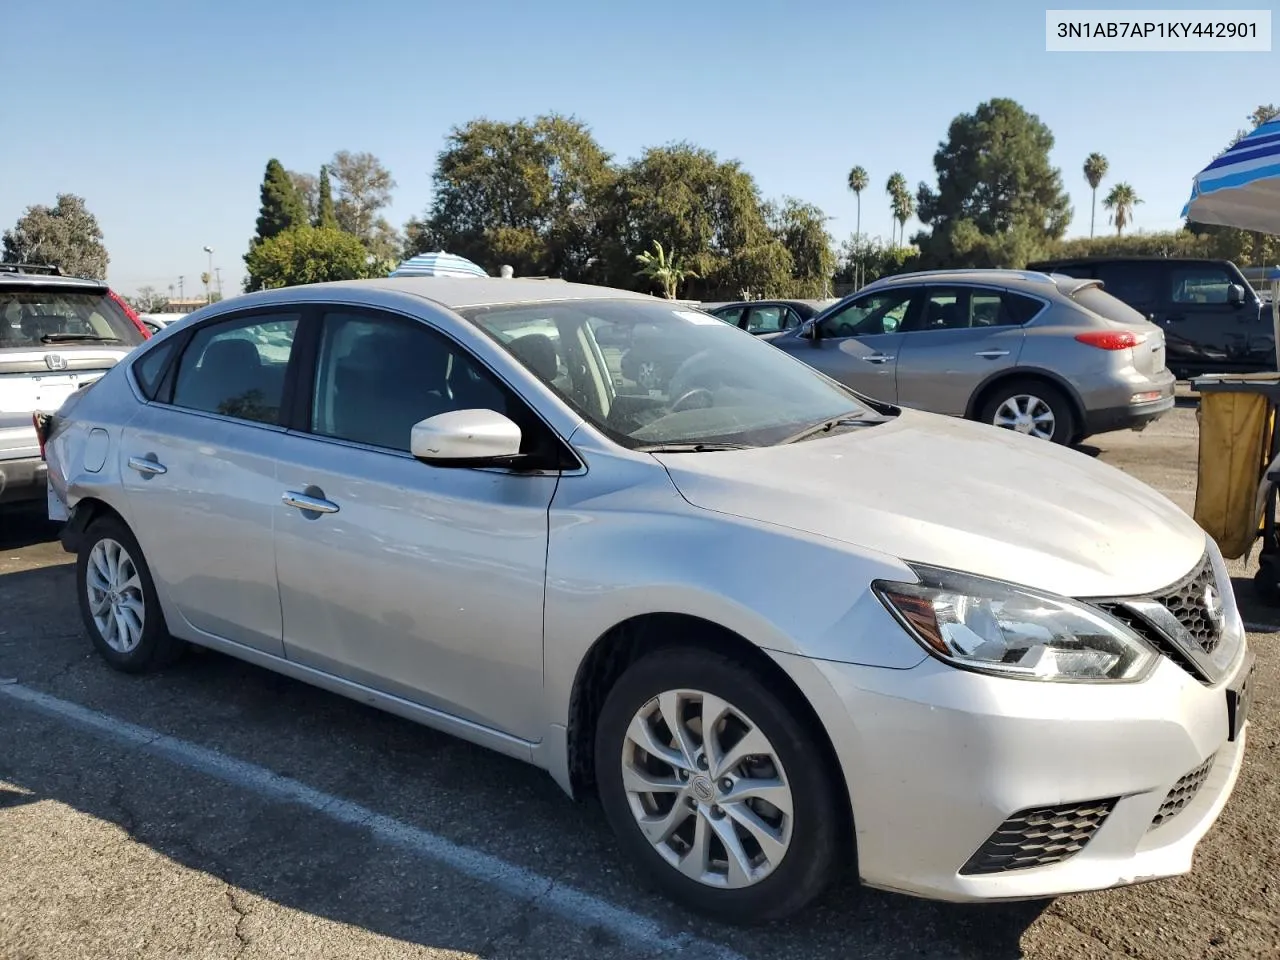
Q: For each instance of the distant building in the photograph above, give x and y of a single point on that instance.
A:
(185, 306)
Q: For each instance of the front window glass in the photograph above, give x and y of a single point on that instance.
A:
(1200, 285)
(665, 375)
(869, 315)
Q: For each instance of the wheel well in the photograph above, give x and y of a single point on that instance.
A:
(627, 642)
(983, 393)
(86, 511)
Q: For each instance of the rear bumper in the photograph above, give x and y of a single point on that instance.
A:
(22, 479)
(1131, 416)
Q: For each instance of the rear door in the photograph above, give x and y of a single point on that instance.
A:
(957, 337)
(765, 318)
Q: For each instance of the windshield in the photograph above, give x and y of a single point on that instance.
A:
(35, 318)
(649, 374)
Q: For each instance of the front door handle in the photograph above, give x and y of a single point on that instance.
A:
(146, 467)
(877, 358)
(292, 498)
(991, 354)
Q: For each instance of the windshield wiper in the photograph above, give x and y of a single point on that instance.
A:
(692, 447)
(77, 338)
(826, 426)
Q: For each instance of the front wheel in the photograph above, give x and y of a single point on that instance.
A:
(1032, 407)
(717, 789)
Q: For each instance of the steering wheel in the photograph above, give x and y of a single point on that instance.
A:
(688, 400)
(846, 329)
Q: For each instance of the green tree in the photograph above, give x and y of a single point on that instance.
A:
(364, 188)
(1095, 168)
(148, 300)
(995, 176)
(529, 193)
(801, 229)
(281, 206)
(1121, 201)
(308, 187)
(864, 260)
(858, 181)
(65, 235)
(308, 254)
(325, 216)
(896, 188)
(665, 270)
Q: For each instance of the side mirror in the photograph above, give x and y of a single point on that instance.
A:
(809, 330)
(1235, 295)
(466, 438)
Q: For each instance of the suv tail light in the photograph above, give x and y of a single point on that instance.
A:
(131, 314)
(1109, 339)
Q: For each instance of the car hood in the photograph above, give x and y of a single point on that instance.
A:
(971, 497)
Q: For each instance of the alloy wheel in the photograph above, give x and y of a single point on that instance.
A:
(116, 600)
(1025, 413)
(707, 789)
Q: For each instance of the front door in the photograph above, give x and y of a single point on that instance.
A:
(198, 465)
(957, 337)
(423, 582)
(1202, 325)
(857, 343)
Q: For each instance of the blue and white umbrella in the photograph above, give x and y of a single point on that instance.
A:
(1242, 187)
(438, 265)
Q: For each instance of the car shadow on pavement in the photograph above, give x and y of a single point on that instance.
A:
(1256, 614)
(23, 526)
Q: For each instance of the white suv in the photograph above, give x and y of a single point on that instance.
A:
(57, 334)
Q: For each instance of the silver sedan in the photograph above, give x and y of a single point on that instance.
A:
(779, 629)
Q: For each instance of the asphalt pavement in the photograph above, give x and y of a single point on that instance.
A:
(217, 810)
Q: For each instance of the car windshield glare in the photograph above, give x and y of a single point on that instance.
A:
(649, 374)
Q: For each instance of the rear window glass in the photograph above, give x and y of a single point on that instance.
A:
(36, 318)
(1098, 301)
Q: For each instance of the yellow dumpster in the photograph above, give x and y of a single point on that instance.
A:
(1235, 494)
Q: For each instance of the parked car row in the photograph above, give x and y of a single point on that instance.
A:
(442, 497)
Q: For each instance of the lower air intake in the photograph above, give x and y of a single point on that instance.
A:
(1039, 837)
(1183, 792)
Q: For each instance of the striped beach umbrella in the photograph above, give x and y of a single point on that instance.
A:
(1242, 187)
(439, 264)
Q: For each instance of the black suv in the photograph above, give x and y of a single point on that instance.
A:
(1213, 320)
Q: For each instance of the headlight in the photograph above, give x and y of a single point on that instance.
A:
(999, 628)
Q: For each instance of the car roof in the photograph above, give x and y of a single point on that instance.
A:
(22, 278)
(1028, 278)
(451, 292)
(1127, 258)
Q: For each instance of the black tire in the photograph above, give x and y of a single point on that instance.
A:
(1065, 428)
(821, 841)
(156, 648)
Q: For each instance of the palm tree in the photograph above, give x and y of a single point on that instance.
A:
(1095, 168)
(858, 181)
(904, 205)
(663, 269)
(896, 188)
(1122, 199)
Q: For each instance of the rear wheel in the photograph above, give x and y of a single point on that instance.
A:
(717, 789)
(118, 600)
(1032, 407)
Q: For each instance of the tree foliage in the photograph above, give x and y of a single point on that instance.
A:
(65, 235)
(307, 186)
(1095, 168)
(325, 216)
(665, 270)
(997, 192)
(527, 193)
(364, 188)
(307, 254)
(1121, 201)
(281, 207)
(148, 300)
(801, 228)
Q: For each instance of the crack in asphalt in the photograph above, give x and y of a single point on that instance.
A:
(242, 913)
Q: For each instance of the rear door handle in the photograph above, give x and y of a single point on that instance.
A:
(146, 467)
(877, 358)
(292, 498)
(991, 354)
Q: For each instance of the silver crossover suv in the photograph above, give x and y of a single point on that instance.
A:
(1051, 356)
(742, 610)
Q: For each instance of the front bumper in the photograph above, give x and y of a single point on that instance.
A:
(937, 760)
(22, 479)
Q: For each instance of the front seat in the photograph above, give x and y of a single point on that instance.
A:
(229, 371)
(538, 352)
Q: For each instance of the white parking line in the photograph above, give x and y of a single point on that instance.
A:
(572, 904)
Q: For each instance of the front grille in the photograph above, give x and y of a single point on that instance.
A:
(1183, 792)
(1039, 837)
(1186, 601)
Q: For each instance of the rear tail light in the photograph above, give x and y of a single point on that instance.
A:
(1109, 339)
(1149, 396)
(131, 314)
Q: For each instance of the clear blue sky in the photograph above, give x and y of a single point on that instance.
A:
(163, 114)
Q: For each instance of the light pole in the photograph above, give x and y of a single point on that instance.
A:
(182, 290)
(208, 284)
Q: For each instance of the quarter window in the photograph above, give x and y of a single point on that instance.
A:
(237, 368)
(150, 367)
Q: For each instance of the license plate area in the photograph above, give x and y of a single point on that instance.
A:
(1239, 696)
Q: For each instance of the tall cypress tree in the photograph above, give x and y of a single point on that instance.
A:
(325, 216)
(282, 207)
